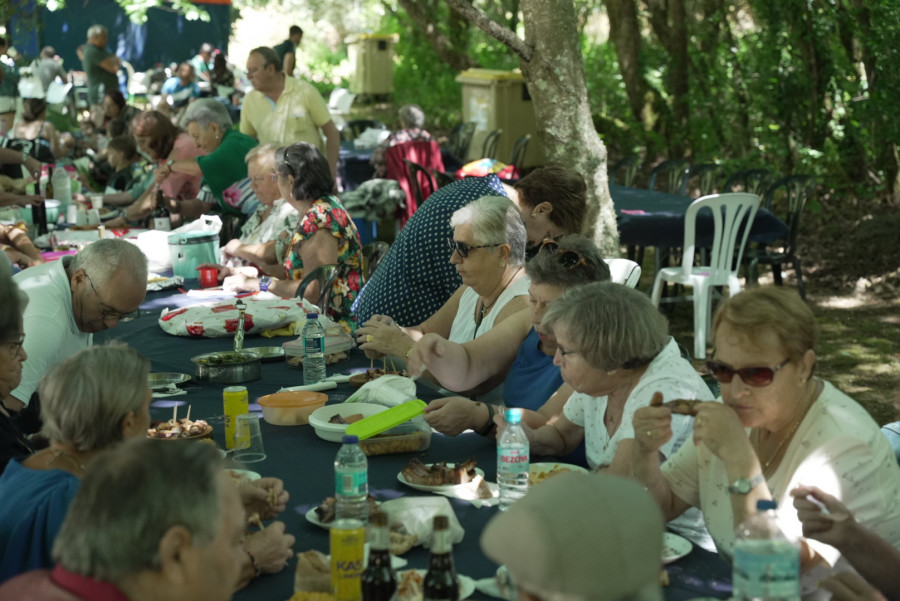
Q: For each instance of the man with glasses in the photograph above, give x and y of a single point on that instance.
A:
(69, 301)
(282, 110)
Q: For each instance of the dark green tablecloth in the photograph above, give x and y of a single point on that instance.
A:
(305, 462)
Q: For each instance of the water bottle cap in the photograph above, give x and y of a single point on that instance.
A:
(514, 416)
(312, 316)
(351, 439)
(766, 505)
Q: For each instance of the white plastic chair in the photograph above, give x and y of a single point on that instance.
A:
(624, 271)
(733, 215)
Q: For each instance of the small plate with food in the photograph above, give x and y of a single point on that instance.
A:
(240, 476)
(457, 480)
(360, 379)
(180, 429)
(674, 547)
(323, 514)
(331, 421)
(538, 472)
(411, 585)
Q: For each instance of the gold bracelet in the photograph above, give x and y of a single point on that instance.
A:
(409, 351)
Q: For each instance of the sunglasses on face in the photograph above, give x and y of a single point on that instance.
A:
(567, 258)
(751, 376)
(462, 249)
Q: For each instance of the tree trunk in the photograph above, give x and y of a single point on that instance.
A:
(551, 61)
(668, 19)
(442, 44)
(625, 34)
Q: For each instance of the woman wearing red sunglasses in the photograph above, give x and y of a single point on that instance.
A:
(778, 427)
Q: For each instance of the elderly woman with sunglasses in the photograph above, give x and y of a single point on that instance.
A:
(518, 352)
(325, 234)
(778, 428)
(488, 251)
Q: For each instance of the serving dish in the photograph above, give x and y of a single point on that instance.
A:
(267, 354)
(291, 407)
(335, 432)
(162, 380)
(229, 367)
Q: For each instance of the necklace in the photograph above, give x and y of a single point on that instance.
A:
(57, 453)
(812, 393)
(485, 307)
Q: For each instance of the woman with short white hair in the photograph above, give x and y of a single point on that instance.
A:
(12, 355)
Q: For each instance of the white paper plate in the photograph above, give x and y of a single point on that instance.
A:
(544, 468)
(458, 491)
(241, 475)
(466, 584)
(675, 547)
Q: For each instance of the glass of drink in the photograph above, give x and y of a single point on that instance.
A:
(248, 439)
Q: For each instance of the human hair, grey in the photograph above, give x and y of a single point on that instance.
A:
(546, 268)
(494, 220)
(611, 325)
(85, 398)
(264, 153)
(204, 111)
(130, 498)
(309, 167)
(412, 116)
(12, 304)
(269, 56)
(95, 30)
(104, 258)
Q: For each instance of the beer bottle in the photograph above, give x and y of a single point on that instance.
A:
(379, 582)
(161, 219)
(440, 581)
(39, 210)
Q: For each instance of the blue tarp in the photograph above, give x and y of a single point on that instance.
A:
(166, 37)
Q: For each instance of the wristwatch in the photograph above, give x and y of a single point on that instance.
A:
(742, 486)
(264, 283)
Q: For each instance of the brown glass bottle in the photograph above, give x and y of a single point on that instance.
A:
(379, 582)
(440, 581)
(161, 219)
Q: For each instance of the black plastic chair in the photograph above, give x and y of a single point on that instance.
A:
(489, 148)
(707, 174)
(415, 170)
(752, 181)
(789, 193)
(373, 253)
(517, 159)
(442, 179)
(325, 275)
(460, 138)
(629, 166)
(353, 129)
(675, 176)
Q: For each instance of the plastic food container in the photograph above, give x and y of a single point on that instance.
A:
(405, 438)
(335, 432)
(291, 407)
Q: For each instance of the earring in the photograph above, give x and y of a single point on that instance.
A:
(533, 214)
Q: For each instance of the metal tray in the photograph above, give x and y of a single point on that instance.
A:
(236, 372)
(267, 354)
(159, 381)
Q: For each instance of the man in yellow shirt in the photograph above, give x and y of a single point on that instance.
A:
(282, 110)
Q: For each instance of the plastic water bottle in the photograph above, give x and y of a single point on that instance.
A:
(512, 460)
(62, 186)
(351, 481)
(313, 350)
(766, 563)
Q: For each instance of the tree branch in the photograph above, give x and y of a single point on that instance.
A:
(443, 45)
(492, 28)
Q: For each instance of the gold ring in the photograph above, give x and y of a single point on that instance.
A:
(649, 433)
(370, 338)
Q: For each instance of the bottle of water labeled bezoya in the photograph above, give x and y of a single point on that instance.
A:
(512, 460)
(351, 481)
(313, 350)
(766, 564)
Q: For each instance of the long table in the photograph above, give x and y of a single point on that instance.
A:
(305, 463)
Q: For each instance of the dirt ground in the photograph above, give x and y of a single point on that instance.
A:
(852, 269)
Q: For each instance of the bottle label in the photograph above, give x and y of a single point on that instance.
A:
(766, 570)
(352, 483)
(512, 460)
(311, 346)
(162, 224)
(441, 542)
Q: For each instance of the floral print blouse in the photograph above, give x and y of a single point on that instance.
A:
(327, 213)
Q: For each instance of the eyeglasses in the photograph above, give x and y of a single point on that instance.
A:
(570, 259)
(564, 354)
(751, 376)
(462, 249)
(111, 314)
(15, 346)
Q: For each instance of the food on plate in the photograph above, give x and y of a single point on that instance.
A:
(400, 442)
(226, 358)
(683, 406)
(401, 540)
(538, 476)
(179, 428)
(411, 586)
(440, 474)
(360, 379)
(325, 512)
(313, 574)
(330, 359)
(337, 418)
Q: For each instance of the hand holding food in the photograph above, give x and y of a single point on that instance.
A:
(384, 338)
(823, 517)
(652, 425)
(224, 271)
(719, 428)
(450, 415)
(270, 547)
(264, 497)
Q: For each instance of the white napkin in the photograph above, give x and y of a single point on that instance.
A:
(318, 386)
(389, 391)
(417, 513)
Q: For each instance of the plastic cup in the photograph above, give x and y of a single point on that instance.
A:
(96, 201)
(248, 439)
(209, 277)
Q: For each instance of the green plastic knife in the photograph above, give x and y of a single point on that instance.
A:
(380, 422)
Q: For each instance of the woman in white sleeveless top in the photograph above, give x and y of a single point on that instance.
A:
(488, 250)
